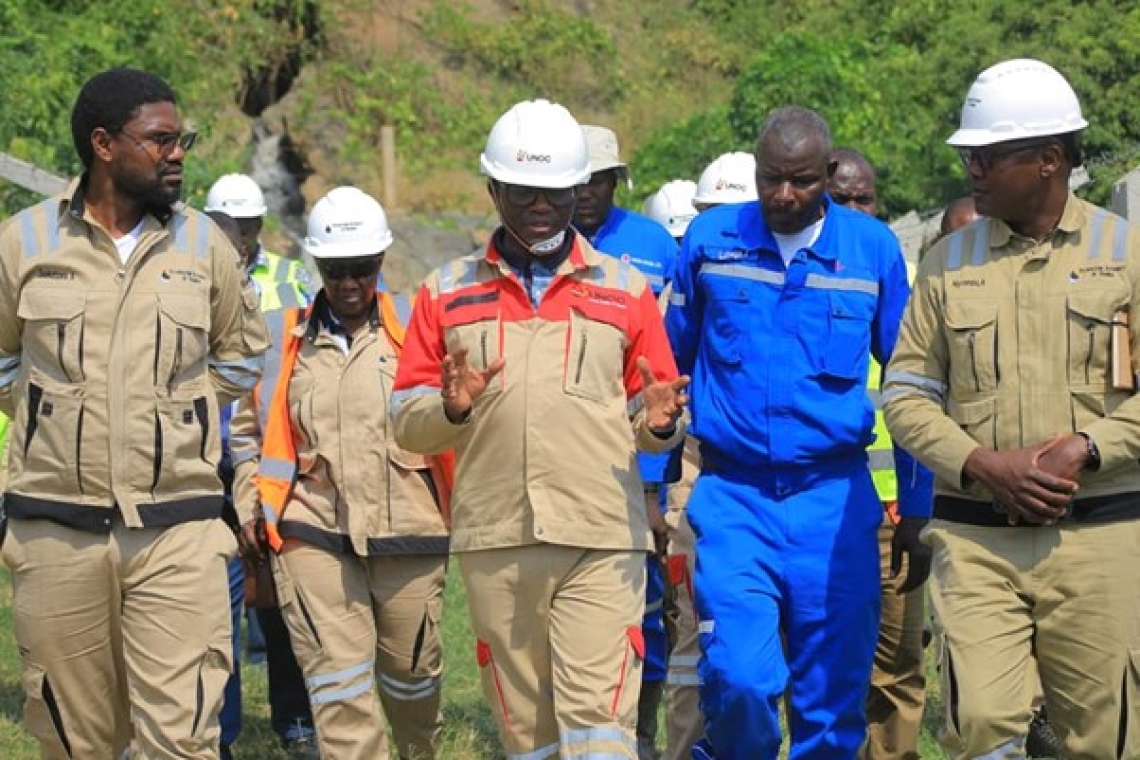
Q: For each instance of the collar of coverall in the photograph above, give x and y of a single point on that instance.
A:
(1072, 219)
(320, 315)
(754, 232)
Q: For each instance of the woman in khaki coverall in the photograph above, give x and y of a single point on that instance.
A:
(361, 546)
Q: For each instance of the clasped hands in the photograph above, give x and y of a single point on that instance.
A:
(1035, 484)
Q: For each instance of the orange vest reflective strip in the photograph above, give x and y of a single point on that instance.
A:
(277, 470)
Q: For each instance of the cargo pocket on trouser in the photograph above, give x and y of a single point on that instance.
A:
(1128, 738)
(303, 632)
(630, 675)
(42, 715)
(951, 734)
(493, 684)
(213, 672)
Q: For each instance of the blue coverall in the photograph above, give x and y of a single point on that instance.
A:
(785, 512)
(648, 246)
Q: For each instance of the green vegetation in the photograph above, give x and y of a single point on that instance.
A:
(680, 80)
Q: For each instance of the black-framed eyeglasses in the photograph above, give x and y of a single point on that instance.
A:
(165, 141)
(523, 195)
(356, 269)
(988, 155)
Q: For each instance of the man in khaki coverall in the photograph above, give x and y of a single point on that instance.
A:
(125, 320)
(362, 546)
(1013, 380)
(535, 360)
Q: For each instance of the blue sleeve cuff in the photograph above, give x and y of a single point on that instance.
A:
(653, 467)
(916, 485)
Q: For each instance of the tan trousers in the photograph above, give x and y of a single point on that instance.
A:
(895, 701)
(361, 623)
(683, 722)
(1066, 596)
(559, 647)
(123, 636)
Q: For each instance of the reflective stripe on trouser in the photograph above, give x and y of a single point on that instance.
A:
(361, 623)
(1066, 595)
(683, 722)
(97, 612)
(559, 647)
(895, 701)
(806, 564)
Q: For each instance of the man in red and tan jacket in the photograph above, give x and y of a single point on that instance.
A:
(544, 365)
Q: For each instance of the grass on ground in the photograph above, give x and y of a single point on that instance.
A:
(469, 732)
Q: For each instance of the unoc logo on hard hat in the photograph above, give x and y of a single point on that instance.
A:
(524, 157)
(723, 184)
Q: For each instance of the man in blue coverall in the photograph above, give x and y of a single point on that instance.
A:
(777, 306)
(635, 238)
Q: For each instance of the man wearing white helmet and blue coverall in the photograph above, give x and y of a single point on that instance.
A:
(729, 178)
(647, 245)
(672, 206)
(1014, 381)
(778, 306)
(545, 365)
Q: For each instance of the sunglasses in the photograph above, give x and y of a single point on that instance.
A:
(522, 195)
(166, 141)
(356, 269)
(989, 155)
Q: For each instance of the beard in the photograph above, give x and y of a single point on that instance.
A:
(155, 190)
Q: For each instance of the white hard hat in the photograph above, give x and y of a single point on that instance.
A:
(539, 144)
(346, 223)
(1017, 99)
(731, 178)
(236, 195)
(672, 206)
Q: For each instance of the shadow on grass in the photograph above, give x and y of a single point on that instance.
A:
(12, 700)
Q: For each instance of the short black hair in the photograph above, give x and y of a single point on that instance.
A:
(1071, 147)
(109, 100)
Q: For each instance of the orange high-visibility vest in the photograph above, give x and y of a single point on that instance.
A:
(277, 470)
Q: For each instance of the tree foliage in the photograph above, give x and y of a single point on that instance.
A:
(202, 48)
(682, 81)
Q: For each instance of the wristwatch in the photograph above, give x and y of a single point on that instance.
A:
(1092, 464)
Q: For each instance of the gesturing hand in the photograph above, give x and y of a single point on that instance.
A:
(461, 384)
(664, 399)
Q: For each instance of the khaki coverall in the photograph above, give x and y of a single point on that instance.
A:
(361, 575)
(113, 374)
(1006, 343)
(549, 515)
